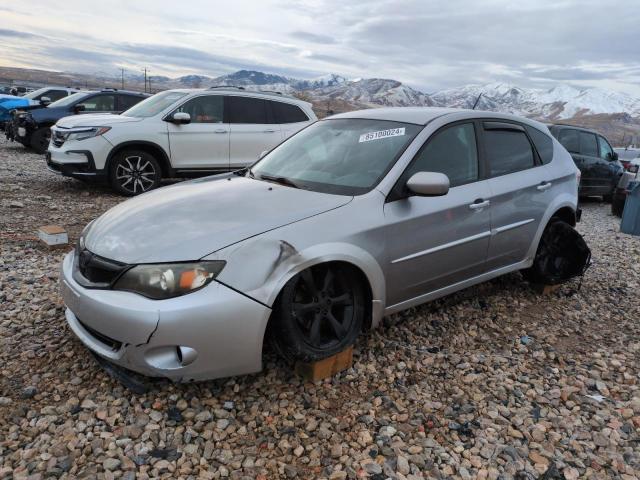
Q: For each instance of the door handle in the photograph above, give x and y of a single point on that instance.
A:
(544, 186)
(269, 130)
(480, 203)
(220, 130)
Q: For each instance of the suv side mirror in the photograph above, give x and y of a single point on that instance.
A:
(79, 108)
(428, 184)
(45, 101)
(614, 156)
(180, 118)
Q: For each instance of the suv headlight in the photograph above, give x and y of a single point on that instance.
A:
(82, 133)
(168, 280)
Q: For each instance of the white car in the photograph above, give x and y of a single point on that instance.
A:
(175, 133)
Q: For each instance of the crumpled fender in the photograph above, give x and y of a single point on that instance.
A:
(260, 267)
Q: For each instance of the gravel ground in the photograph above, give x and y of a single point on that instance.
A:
(493, 382)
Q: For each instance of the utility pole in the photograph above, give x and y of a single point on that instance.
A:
(122, 85)
(145, 79)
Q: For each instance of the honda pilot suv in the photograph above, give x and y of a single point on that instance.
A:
(175, 133)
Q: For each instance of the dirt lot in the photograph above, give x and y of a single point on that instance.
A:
(493, 382)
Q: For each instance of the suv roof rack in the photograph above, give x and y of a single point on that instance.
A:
(108, 89)
(225, 86)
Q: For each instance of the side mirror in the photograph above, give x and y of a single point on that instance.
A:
(614, 156)
(262, 154)
(428, 184)
(45, 101)
(79, 108)
(180, 118)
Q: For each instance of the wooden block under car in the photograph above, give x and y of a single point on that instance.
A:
(326, 367)
(53, 236)
(546, 289)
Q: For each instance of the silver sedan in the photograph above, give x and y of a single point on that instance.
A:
(356, 217)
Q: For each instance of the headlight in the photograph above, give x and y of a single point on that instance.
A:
(168, 280)
(82, 133)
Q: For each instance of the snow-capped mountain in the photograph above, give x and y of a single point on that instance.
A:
(374, 92)
(559, 102)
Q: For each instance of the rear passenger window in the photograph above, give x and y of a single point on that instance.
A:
(543, 144)
(451, 151)
(570, 140)
(99, 103)
(55, 95)
(287, 113)
(247, 110)
(508, 151)
(588, 144)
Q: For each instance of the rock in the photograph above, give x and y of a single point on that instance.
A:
(4, 401)
(402, 465)
(29, 392)
(111, 464)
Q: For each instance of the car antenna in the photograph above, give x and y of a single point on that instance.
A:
(477, 100)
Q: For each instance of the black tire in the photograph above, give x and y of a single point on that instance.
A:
(319, 313)
(40, 139)
(607, 198)
(617, 205)
(132, 172)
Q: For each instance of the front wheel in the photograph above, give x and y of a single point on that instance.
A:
(319, 313)
(133, 172)
(40, 139)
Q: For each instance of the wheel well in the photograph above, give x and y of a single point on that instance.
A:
(567, 215)
(156, 151)
(368, 294)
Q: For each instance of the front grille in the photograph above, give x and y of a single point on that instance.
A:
(102, 338)
(93, 271)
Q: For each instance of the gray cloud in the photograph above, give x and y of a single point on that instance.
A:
(429, 45)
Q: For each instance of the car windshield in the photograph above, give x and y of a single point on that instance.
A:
(63, 102)
(35, 93)
(154, 105)
(342, 156)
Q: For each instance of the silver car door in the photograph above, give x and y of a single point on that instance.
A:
(520, 189)
(434, 242)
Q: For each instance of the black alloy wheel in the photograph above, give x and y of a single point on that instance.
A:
(320, 312)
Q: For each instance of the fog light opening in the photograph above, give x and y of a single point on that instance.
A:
(186, 355)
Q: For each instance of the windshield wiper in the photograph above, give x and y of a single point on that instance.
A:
(280, 180)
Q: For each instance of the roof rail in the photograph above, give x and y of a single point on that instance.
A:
(225, 86)
(108, 89)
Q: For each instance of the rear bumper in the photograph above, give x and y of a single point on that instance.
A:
(219, 331)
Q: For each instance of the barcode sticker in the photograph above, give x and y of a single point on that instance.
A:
(391, 132)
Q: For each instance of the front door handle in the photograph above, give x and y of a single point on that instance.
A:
(269, 130)
(220, 130)
(544, 186)
(480, 203)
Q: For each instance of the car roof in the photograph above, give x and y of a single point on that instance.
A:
(424, 115)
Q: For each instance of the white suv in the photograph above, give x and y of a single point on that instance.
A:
(175, 133)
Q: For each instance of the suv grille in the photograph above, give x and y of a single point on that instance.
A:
(92, 271)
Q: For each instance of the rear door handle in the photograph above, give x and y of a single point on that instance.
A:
(269, 130)
(544, 186)
(220, 130)
(480, 203)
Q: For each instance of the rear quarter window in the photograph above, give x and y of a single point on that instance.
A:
(543, 144)
(287, 113)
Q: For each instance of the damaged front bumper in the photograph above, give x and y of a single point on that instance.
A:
(212, 333)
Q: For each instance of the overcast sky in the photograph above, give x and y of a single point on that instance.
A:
(429, 45)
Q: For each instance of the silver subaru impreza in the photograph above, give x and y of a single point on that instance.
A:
(355, 217)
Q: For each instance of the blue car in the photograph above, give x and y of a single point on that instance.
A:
(38, 98)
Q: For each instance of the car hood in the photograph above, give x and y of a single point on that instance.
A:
(94, 120)
(190, 220)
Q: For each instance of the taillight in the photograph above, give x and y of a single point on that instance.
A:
(632, 168)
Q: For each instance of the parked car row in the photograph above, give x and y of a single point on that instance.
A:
(630, 159)
(35, 99)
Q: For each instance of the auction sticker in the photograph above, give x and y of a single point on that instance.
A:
(391, 132)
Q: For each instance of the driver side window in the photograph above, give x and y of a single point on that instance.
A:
(451, 151)
(204, 109)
